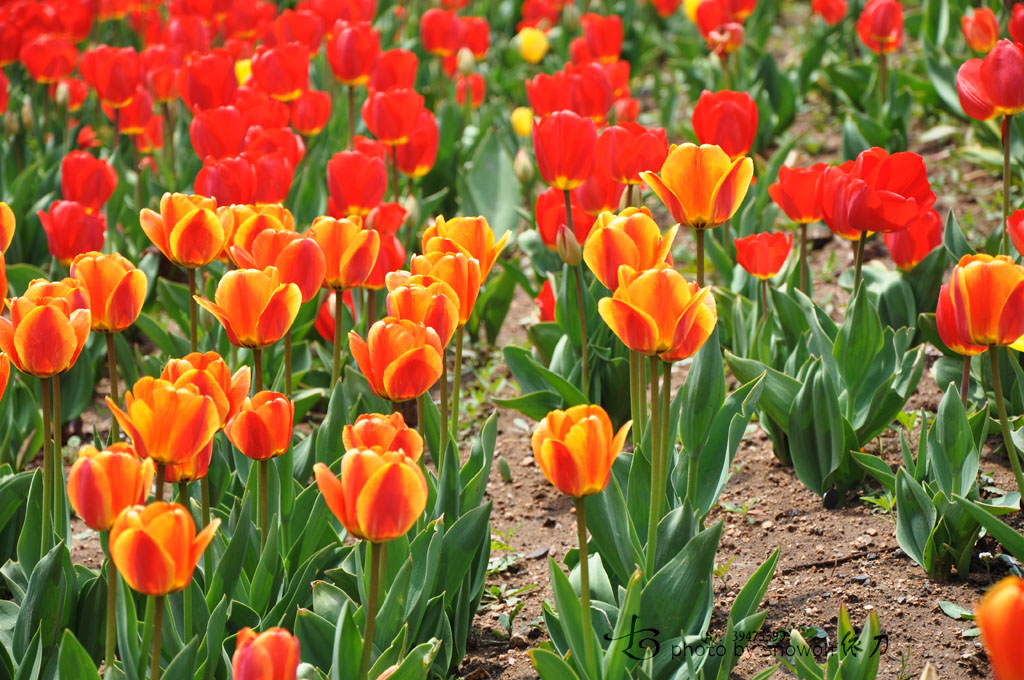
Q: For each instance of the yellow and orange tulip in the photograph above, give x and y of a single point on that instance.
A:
(575, 449)
(7, 224)
(700, 185)
(658, 312)
(1000, 617)
(188, 230)
(116, 289)
(167, 423)
(298, 258)
(48, 327)
(270, 655)
(460, 272)
(435, 304)
(988, 294)
(350, 250)
(155, 547)
(632, 238)
(400, 359)
(103, 483)
(384, 432)
(263, 427)
(471, 236)
(380, 494)
(255, 306)
(246, 222)
(210, 375)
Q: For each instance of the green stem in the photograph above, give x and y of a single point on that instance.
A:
(588, 624)
(764, 299)
(634, 398)
(112, 364)
(965, 381)
(457, 381)
(667, 445)
(883, 80)
(655, 504)
(1004, 422)
(336, 365)
(860, 262)
(186, 603)
(1007, 135)
(257, 370)
(371, 308)
(443, 433)
(395, 188)
(47, 530)
(803, 258)
(147, 638)
(264, 516)
(700, 257)
(288, 364)
(351, 116)
(58, 464)
(158, 627)
(371, 610)
(193, 311)
(204, 495)
(583, 330)
(111, 647)
(161, 472)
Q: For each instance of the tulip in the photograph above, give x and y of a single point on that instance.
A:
(349, 249)
(458, 271)
(999, 617)
(114, 72)
(474, 85)
(1016, 24)
(7, 224)
(310, 112)
(5, 373)
(207, 80)
(217, 132)
(115, 289)
(417, 155)
(87, 180)
(394, 69)
(702, 188)
(797, 191)
(533, 44)
(255, 307)
(385, 433)
(590, 91)
(356, 182)
(427, 301)
(832, 11)
(281, 71)
(911, 245)
(471, 236)
(600, 192)
(632, 238)
(575, 450)
(522, 121)
(391, 115)
(229, 180)
(271, 655)
(72, 230)
(980, 28)
(545, 302)
(187, 230)
(632, 149)
(156, 549)
(1015, 228)
(400, 359)
(564, 144)
(352, 50)
(209, 374)
(949, 333)
(880, 26)
(439, 32)
(603, 36)
(300, 26)
(763, 255)
(48, 57)
(132, 118)
(728, 119)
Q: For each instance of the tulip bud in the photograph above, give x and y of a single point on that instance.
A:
(522, 121)
(465, 62)
(412, 211)
(571, 18)
(305, 672)
(532, 44)
(62, 95)
(568, 247)
(523, 166)
(10, 123)
(27, 118)
(388, 672)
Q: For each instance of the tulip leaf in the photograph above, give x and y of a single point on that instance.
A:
(532, 377)
(779, 390)
(857, 344)
(73, 662)
(213, 640)
(489, 187)
(703, 395)
(48, 602)
(261, 587)
(417, 662)
(915, 518)
(1009, 538)
(570, 616)
(230, 563)
(30, 543)
(183, 665)
(953, 238)
(550, 666)
(347, 646)
(316, 638)
(816, 429)
(672, 599)
(460, 542)
(611, 529)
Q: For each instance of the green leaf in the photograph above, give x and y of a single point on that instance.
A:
(550, 666)
(779, 392)
(417, 663)
(316, 638)
(816, 429)
(703, 395)
(48, 603)
(73, 662)
(954, 240)
(915, 517)
(348, 646)
(1012, 541)
(877, 468)
(489, 187)
(672, 598)
(230, 564)
(955, 611)
(183, 665)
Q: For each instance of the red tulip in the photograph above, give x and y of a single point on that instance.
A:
(274, 174)
(260, 109)
(282, 71)
(300, 260)
(1015, 228)
(187, 33)
(207, 81)
(547, 93)
(310, 112)
(1016, 25)
(439, 32)
(48, 58)
(590, 91)
(474, 83)
(475, 34)
(5, 87)
(549, 213)
(227, 180)
(271, 655)
(665, 8)
(632, 149)
(993, 86)
(949, 331)
(564, 144)
(352, 51)
(880, 25)
(400, 359)
(728, 119)
(57, 312)
(262, 428)
(160, 66)
(798, 193)
(980, 28)
(263, 141)
(133, 117)
(301, 26)
(545, 302)
(417, 155)
(114, 73)
(394, 69)
(913, 244)
(356, 182)
(603, 36)
(391, 115)
(763, 255)
(832, 11)
(72, 230)
(601, 192)
(217, 132)
(87, 180)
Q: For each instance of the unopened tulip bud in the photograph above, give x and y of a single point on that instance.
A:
(11, 126)
(523, 166)
(305, 672)
(571, 18)
(27, 119)
(412, 211)
(62, 96)
(568, 247)
(465, 62)
(522, 121)
(388, 672)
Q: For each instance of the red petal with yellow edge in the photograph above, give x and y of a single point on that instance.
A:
(730, 191)
(412, 374)
(391, 501)
(250, 435)
(633, 327)
(221, 315)
(359, 257)
(90, 494)
(357, 467)
(333, 493)
(143, 563)
(361, 353)
(302, 262)
(561, 467)
(125, 302)
(606, 250)
(694, 327)
(44, 342)
(279, 314)
(664, 192)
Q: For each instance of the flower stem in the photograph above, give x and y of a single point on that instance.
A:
(371, 609)
(1007, 136)
(288, 364)
(666, 440)
(588, 624)
(371, 308)
(351, 116)
(112, 364)
(583, 330)
(58, 464)
(965, 381)
(336, 365)
(204, 495)
(264, 515)
(186, 603)
(764, 299)
(47, 530)
(1004, 422)
(257, 370)
(395, 189)
(193, 311)
(655, 506)
(700, 257)
(883, 80)
(860, 262)
(158, 626)
(457, 381)
(443, 432)
(161, 472)
(634, 398)
(803, 258)
(111, 647)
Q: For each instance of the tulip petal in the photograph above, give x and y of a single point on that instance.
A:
(633, 327)
(143, 562)
(391, 501)
(412, 373)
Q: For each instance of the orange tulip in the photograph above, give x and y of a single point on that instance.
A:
(210, 375)
(763, 254)
(48, 327)
(166, 423)
(188, 229)
(192, 469)
(271, 655)
(263, 427)
(700, 185)
(471, 236)
(103, 483)
(632, 238)
(350, 250)
(383, 432)
(380, 494)
(400, 359)
(433, 304)
(299, 259)
(115, 287)
(255, 306)
(658, 312)
(946, 323)
(575, 449)
(249, 221)
(1000, 617)
(155, 547)
(5, 373)
(988, 294)
(461, 273)
(6, 226)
